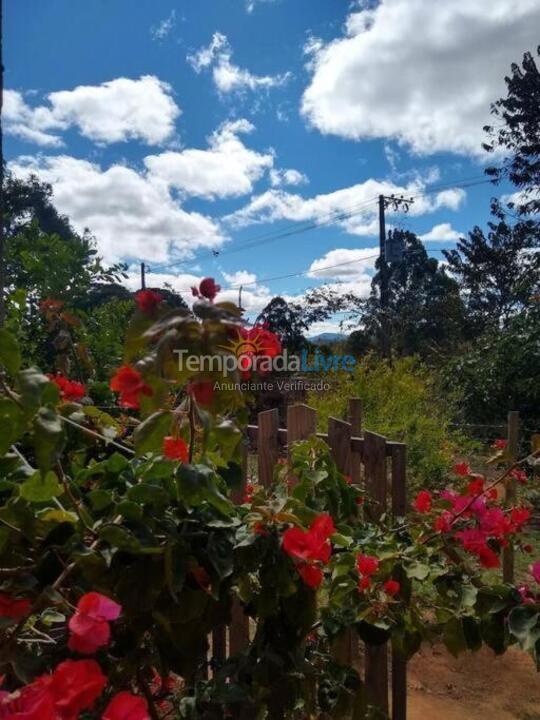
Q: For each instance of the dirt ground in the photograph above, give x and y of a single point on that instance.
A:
(477, 686)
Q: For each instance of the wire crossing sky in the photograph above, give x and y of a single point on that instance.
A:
(249, 140)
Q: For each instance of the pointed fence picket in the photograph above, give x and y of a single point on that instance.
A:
(373, 462)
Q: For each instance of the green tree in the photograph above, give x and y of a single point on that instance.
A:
(288, 320)
(498, 271)
(518, 134)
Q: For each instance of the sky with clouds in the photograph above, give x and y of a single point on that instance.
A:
(198, 136)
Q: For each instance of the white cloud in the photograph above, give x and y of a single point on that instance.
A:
(287, 177)
(353, 208)
(228, 168)
(163, 28)
(115, 111)
(130, 214)
(228, 77)
(345, 264)
(444, 232)
(420, 71)
(252, 4)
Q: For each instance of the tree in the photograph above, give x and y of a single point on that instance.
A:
(519, 133)
(425, 311)
(286, 320)
(498, 271)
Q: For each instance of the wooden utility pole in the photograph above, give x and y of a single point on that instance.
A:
(386, 345)
(3, 278)
(143, 276)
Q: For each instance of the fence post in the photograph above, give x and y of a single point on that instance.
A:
(239, 627)
(355, 419)
(301, 424)
(510, 485)
(267, 445)
(339, 440)
(399, 509)
(376, 678)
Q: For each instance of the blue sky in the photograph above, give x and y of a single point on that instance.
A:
(173, 129)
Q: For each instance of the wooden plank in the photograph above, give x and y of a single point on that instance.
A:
(376, 677)
(267, 445)
(219, 645)
(339, 440)
(399, 509)
(301, 424)
(239, 627)
(355, 420)
(510, 487)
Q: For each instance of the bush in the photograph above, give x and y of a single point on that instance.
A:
(402, 403)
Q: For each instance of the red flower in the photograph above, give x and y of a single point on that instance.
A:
(202, 391)
(260, 529)
(75, 686)
(392, 587)
(364, 584)
(207, 288)
(310, 574)
(267, 344)
(500, 444)
(443, 523)
(175, 449)
(474, 542)
(70, 390)
(323, 526)
(422, 503)
(520, 517)
(519, 475)
(33, 702)
(367, 565)
(148, 300)
(348, 479)
(462, 469)
(129, 383)
(50, 305)
(89, 626)
(14, 608)
(476, 486)
(125, 706)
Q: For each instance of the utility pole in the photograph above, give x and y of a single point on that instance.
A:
(385, 256)
(3, 278)
(143, 276)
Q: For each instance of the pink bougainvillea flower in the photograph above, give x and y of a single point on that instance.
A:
(423, 501)
(476, 486)
(323, 526)
(462, 469)
(519, 475)
(75, 686)
(32, 702)
(14, 608)
(367, 565)
(443, 523)
(535, 571)
(126, 706)
(175, 449)
(70, 390)
(208, 289)
(202, 391)
(308, 547)
(148, 300)
(500, 444)
(392, 587)
(89, 627)
(129, 383)
(519, 517)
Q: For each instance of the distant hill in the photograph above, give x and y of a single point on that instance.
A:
(326, 338)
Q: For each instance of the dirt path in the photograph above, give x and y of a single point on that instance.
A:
(477, 686)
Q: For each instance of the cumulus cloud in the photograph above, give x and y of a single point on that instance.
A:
(354, 208)
(130, 214)
(115, 111)
(290, 176)
(419, 71)
(228, 77)
(444, 232)
(345, 264)
(226, 169)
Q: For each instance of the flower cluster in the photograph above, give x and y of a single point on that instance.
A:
(473, 518)
(89, 627)
(368, 567)
(148, 300)
(70, 390)
(129, 384)
(208, 289)
(310, 548)
(14, 608)
(175, 449)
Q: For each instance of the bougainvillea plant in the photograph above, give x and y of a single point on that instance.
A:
(121, 548)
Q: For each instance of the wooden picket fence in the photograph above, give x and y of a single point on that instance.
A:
(374, 463)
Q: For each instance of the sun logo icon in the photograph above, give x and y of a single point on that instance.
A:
(245, 349)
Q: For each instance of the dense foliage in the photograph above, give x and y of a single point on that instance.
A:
(121, 548)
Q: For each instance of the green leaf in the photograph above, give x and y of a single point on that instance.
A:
(524, 624)
(10, 354)
(49, 438)
(454, 637)
(35, 388)
(58, 516)
(100, 499)
(12, 423)
(40, 488)
(148, 436)
(147, 494)
(417, 571)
